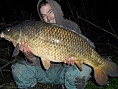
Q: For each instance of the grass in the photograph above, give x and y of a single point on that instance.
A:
(112, 84)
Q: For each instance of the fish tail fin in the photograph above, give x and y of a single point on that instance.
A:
(107, 69)
(100, 76)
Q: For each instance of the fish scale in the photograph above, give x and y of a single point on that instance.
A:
(55, 43)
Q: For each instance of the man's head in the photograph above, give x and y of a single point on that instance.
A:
(46, 12)
(50, 12)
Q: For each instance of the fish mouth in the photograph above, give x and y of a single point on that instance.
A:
(1, 35)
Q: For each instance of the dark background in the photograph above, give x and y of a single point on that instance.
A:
(96, 10)
(98, 19)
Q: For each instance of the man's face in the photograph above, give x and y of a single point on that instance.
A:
(47, 14)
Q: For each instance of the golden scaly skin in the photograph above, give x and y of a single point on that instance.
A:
(56, 44)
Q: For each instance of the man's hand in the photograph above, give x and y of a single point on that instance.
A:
(24, 48)
(70, 61)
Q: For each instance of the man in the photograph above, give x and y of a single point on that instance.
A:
(28, 73)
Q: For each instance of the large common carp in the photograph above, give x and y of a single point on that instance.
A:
(56, 43)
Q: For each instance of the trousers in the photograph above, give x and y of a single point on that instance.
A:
(26, 75)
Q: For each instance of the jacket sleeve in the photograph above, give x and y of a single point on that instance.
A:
(36, 61)
(87, 40)
(77, 29)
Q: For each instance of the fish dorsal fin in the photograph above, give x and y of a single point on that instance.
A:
(46, 63)
(16, 51)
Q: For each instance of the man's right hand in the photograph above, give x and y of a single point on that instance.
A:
(24, 48)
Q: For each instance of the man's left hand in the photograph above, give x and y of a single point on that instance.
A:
(70, 61)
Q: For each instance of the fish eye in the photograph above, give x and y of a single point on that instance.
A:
(8, 29)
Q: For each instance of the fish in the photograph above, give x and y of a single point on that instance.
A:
(54, 43)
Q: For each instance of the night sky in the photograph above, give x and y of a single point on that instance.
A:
(103, 13)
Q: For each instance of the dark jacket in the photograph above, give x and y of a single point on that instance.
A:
(60, 21)
(58, 13)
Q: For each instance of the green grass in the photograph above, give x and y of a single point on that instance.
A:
(111, 84)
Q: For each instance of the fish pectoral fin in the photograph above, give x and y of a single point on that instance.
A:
(79, 64)
(16, 51)
(46, 63)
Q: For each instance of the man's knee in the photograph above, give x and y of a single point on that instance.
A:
(76, 79)
(21, 69)
(81, 80)
(70, 76)
(74, 72)
(23, 74)
(86, 71)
